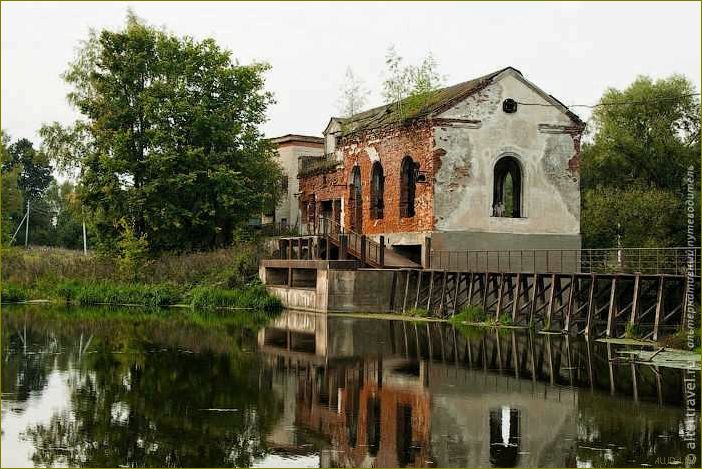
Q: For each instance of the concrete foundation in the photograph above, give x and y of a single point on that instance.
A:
(329, 286)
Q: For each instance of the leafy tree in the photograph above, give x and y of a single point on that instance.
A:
(35, 170)
(170, 140)
(634, 170)
(403, 81)
(11, 197)
(353, 94)
(642, 216)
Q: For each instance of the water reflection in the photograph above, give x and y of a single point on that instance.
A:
(153, 390)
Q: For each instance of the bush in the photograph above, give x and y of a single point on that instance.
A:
(251, 297)
(13, 293)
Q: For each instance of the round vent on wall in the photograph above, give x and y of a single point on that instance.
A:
(509, 105)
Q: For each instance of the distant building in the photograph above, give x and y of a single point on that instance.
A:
(290, 149)
(488, 164)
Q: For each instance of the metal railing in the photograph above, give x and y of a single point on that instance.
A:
(673, 261)
(360, 246)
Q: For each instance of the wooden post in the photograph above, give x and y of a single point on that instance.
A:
(590, 303)
(517, 294)
(363, 249)
(290, 277)
(659, 307)
(470, 288)
(455, 293)
(290, 249)
(393, 290)
(612, 300)
(419, 287)
(532, 306)
(381, 255)
(431, 288)
(443, 293)
(407, 282)
(427, 255)
(635, 300)
(551, 294)
(571, 298)
(500, 292)
(343, 247)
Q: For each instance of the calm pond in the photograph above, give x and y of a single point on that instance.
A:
(120, 387)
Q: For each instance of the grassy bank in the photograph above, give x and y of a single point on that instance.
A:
(224, 278)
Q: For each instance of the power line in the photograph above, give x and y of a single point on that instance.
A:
(613, 103)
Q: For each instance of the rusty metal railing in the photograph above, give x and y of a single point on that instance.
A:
(673, 261)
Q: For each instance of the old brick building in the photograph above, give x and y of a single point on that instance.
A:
(491, 163)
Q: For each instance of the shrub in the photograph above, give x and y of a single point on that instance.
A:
(13, 293)
(505, 319)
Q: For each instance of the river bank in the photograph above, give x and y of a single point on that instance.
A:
(224, 278)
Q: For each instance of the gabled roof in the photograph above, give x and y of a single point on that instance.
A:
(435, 102)
(295, 138)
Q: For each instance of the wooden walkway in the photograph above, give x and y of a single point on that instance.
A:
(611, 305)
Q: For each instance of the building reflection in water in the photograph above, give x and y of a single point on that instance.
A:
(504, 437)
(400, 394)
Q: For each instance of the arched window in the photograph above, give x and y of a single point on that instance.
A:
(377, 188)
(507, 189)
(408, 184)
(356, 200)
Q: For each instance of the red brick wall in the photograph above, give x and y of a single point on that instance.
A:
(391, 146)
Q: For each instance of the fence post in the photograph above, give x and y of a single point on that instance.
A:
(427, 254)
(381, 255)
(343, 241)
(363, 249)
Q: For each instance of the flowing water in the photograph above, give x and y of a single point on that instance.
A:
(109, 388)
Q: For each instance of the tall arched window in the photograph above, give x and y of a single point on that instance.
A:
(356, 199)
(408, 185)
(507, 188)
(377, 189)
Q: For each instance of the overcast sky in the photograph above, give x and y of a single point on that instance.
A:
(572, 50)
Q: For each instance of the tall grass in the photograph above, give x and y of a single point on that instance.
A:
(41, 268)
(91, 293)
(470, 314)
(12, 293)
(250, 297)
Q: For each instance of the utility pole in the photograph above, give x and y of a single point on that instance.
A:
(26, 228)
(85, 239)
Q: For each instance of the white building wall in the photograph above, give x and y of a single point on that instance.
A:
(288, 155)
(535, 135)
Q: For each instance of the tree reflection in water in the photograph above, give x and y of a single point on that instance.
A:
(167, 389)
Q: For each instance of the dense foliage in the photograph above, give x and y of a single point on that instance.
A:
(169, 143)
(634, 171)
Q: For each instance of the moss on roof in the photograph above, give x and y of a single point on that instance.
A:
(414, 107)
(425, 105)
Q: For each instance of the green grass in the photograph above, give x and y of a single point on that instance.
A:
(12, 293)
(470, 314)
(249, 297)
(91, 293)
(417, 313)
